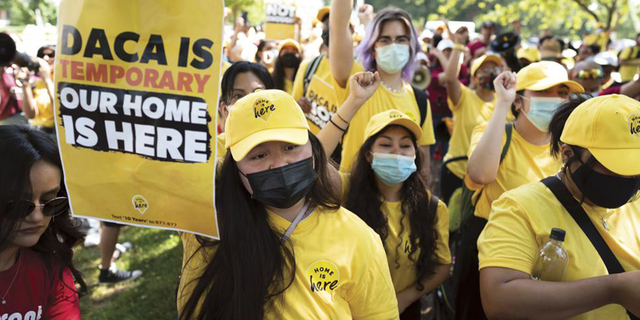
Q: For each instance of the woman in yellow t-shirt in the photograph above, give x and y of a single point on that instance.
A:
(389, 48)
(286, 65)
(385, 190)
(599, 144)
(533, 95)
(287, 250)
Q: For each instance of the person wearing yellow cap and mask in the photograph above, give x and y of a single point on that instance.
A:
(504, 156)
(470, 107)
(286, 65)
(287, 250)
(386, 190)
(594, 200)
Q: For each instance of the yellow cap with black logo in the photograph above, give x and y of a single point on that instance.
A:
(389, 117)
(262, 116)
(609, 127)
(543, 75)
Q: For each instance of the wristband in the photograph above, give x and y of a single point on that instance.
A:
(458, 46)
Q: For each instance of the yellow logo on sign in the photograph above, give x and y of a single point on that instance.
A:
(263, 109)
(140, 203)
(324, 278)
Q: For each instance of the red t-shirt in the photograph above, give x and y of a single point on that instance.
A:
(9, 105)
(36, 293)
(475, 45)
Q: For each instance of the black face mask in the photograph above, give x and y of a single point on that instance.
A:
(290, 60)
(487, 81)
(604, 190)
(284, 186)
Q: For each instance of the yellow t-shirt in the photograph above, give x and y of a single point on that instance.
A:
(383, 100)
(44, 105)
(325, 94)
(397, 244)
(522, 219)
(341, 270)
(403, 274)
(628, 54)
(467, 114)
(524, 163)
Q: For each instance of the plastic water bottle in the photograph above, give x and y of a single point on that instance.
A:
(551, 263)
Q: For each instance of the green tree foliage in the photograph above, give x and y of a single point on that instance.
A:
(567, 18)
(23, 12)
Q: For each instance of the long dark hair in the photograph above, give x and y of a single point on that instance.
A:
(20, 148)
(365, 199)
(251, 266)
(229, 78)
(278, 73)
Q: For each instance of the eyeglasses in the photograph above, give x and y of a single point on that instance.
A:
(52, 208)
(385, 40)
(590, 74)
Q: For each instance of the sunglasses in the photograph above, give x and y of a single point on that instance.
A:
(590, 74)
(52, 208)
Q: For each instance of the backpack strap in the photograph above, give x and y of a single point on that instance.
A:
(508, 129)
(582, 219)
(312, 67)
(421, 98)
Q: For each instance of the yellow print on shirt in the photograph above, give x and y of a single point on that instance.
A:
(634, 124)
(263, 109)
(324, 278)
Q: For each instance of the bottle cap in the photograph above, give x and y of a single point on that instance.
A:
(557, 234)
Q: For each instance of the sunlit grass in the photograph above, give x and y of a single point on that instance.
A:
(158, 254)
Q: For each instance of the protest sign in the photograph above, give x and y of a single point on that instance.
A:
(280, 21)
(136, 89)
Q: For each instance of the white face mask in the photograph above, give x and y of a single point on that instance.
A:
(392, 58)
(541, 110)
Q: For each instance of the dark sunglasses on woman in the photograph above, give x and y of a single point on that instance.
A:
(54, 207)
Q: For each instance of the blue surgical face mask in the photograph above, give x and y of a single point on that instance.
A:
(391, 168)
(392, 58)
(541, 111)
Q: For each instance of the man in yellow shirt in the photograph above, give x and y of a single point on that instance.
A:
(599, 145)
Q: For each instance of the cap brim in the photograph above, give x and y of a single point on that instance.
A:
(621, 161)
(550, 82)
(297, 136)
(407, 123)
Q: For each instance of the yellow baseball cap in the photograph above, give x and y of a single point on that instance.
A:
(543, 75)
(530, 53)
(609, 127)
(289, 43)
(477, 63)
(387, 118)
(266, 115)
(322, 13)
